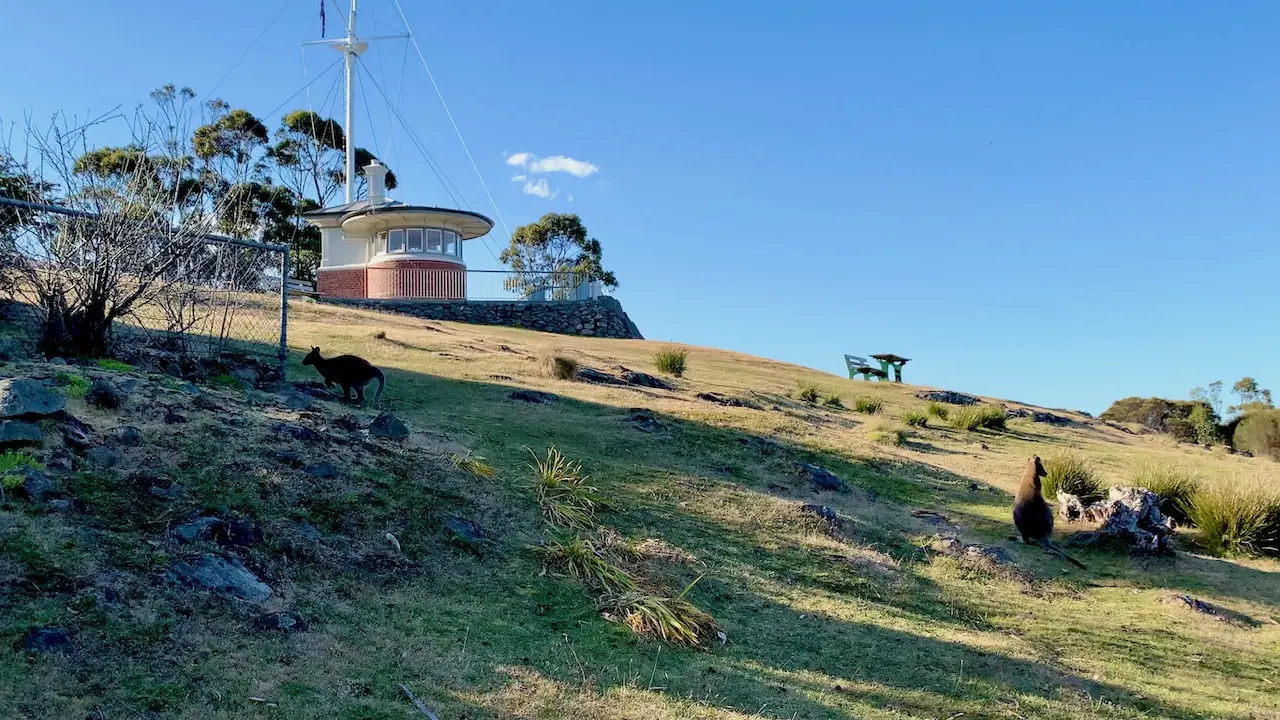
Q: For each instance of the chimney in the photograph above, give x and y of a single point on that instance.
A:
(376, 173)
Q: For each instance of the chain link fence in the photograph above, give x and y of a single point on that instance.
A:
(213, 298)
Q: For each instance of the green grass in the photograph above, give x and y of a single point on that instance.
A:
(114, 365)
(938, 410)
(834, 401)
(867, 404)
(978, 417)
(73, 385)
(857, 622)
(1237, 516)
(915, 418)
(671, 360)
(560, 367)
(808, 392)
(1175, 484)
(1071, 473)
(886, 433)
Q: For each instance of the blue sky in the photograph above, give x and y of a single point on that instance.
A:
(1061, 203)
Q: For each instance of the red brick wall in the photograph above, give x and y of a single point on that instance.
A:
(425, 279)
(345, 283)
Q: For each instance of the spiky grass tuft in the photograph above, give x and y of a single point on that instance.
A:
(563, 494)
(1071, 473)
(938, 410)
(473, 464)
(808, 392)
(1175, 485)
(671, 360)
(915, 418)
(886, 434)
(868, 405)
(1237, 516)
(674, 620)
(581, 558)
(560, 367)
(985, 417)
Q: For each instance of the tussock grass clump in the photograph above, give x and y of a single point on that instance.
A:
(808, 392)
(563, 494)
(1175, 485)
(868, 405)
(915, 418)
(560, 367)
(1070, 473)
(975, 417)
(938, 410)
(581, 558)
(226, 381)
(1237, 516)
(73, 385)
(671, 360)
(886, 434)
(834, 401)
(673, 619)
(473, 464)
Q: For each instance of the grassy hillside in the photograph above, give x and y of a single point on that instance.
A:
(860, 621)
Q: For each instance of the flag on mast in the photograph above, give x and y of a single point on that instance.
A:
(321, 18)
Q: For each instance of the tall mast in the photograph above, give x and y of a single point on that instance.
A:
(352, 47)
(350, 52)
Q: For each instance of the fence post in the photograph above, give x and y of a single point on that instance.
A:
(284, 315)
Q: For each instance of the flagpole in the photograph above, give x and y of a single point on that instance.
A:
(351, 112)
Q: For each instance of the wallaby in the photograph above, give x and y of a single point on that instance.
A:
(348, 371)
(1032, 515)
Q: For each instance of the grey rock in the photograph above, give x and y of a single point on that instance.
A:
(297, 432)
(47, 639)
(595, 376)
(24, 397)
(246, 375)
(104, 393)
(60, 506)
(465, 531)
(221, 575)
(281, 621)
(57, 361)
(644, 420)
(640, 379)
(202, 528)
(101, 456)
(350, 423)
(35, 485)
(946, 396)
(602, 317)
(18, 433)
(822, 478)
(724, 400)
(823, 512)
(323, 470)
(1129, 514)
(307, 531)
(388, 427)
(76, 433)
(533, 396)
(296, 401)
(986, 555)
(1051, 419)
(127, 435)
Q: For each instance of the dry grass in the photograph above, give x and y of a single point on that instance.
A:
(474, 464)
(1240, 515)
(1072, 473)
(1175, 484)
(868, 405)
(560, 367)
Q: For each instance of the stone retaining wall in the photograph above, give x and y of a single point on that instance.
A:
(603, 317)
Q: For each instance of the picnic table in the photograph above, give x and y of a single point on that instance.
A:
(858, 366)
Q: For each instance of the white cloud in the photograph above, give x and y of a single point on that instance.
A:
(518, 178)
(539, 188)
(570, 198)
(559, 163)
(519, 159)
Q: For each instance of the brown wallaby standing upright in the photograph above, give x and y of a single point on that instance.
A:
(1032, 515)
(348, 371)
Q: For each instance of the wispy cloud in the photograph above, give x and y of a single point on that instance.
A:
(518, 178)
(560, 163)
(540, 189)
(570, 198)
(519, 159)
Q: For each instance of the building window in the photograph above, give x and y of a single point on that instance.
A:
(415, 239)
(418, 240)
(450, 243)
(395, 241)
(433, 241)
(380, 245)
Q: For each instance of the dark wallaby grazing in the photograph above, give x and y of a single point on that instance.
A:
(348, 371)
(1032, 515)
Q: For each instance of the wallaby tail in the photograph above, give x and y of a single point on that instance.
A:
(1047, 545)
(382, 382)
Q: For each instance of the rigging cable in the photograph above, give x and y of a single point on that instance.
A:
(304, 87)
(456, 131)
(236, 64)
